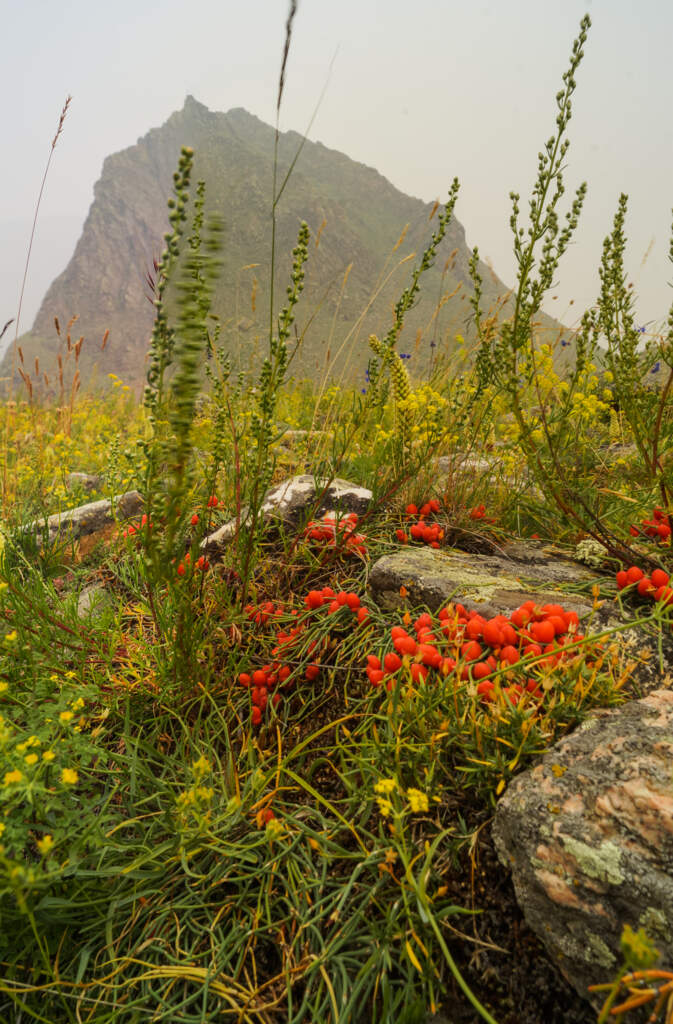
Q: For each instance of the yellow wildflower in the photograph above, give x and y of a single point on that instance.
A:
(418, 801)
(385, 806)
(274, 829)
(14, 776)
(69, 776)
(201, 767)
(385, 786)
(65, 716)
(48, 755)
(30, 758)
(45, 844)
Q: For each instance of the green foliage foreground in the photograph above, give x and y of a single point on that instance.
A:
(161, 858)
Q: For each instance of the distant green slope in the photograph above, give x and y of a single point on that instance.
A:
(356, 218)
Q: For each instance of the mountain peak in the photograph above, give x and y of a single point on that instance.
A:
(193, 106)
(355, 213)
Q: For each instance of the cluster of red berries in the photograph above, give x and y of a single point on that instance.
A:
(132, 531)
(278, 676)
(200, 564)
(655, 586)
(470, 647)
(422, 529)
(332, 531)
(657, 528)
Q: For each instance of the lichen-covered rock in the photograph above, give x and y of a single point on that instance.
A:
(288, 500)
(89, 518)
(588, 836)
(493, 584)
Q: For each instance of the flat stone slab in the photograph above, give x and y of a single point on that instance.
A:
(588, 837)
(89, 518)
(289, 500)
(492, 584)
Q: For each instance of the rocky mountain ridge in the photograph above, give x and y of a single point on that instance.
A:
(356, 268)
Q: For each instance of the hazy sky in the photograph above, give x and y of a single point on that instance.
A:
(423, 90)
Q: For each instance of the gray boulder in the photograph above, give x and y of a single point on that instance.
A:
(288, 501)
(87, 481)
(89, 518)
(588, 837)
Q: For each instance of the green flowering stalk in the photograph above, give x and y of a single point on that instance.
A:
(641, 406)
(549, 420)
(261, 463)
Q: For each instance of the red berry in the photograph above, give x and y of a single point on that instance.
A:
(493, 634)
(481, 669)
(259, 697)
(660, 578)
(314, 599)
(475, 628)
(559, 623)
(543, 632)
(509, 654)
(418, 673)
(622, 579)
(256, 715)
(392, 662)
(429, 655)
(405, 645)
(532, 651)
(194, 520)
(472, 650)
(244, 679)
(181, 570)
(312, 671)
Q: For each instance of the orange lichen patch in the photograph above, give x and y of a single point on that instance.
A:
(638, 802)
(573, 805)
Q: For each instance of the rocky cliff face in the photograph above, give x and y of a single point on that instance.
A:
(356, 217)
